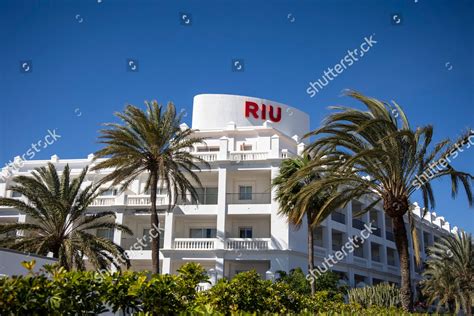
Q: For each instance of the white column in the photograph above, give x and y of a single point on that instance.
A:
(117, 237)
(166, 265)
(275, 146)
(279, 227)
(221, 208)
(168, 233)
(219, 268)
(21, 219)
(117, 232)
(223, 148)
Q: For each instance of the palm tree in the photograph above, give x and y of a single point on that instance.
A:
(151, 142)
(449, 276)
(375, 152)
(60, 223)
(295, 206)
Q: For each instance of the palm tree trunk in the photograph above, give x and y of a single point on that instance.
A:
(468, 305)
(401, 241)
(311, 252)
(155, 223)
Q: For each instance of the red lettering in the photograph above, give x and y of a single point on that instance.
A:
(278, 117)
(251, 107)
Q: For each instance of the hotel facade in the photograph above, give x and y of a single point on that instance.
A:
(234, 225)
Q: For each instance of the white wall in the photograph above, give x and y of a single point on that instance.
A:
(215, 111)
(10, 262)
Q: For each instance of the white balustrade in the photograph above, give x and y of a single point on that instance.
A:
(143, 200)
(241, 156)
(206, 156)
(247, 243)
(194, 243)
(103, 201)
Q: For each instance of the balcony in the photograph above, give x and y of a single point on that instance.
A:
(144, 200)
(250, 155)
(247, 243)
(209, 157)
(338, 217)
(202, 199)
(103, 201)
(248, 198)
(194, 243)
(358, 224)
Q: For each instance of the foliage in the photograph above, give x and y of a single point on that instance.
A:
(248, 292)
(56, 206)
(375, 152)
(56, 291)
(381, 295)
(298, 281)
(288, 192)
(151, 142)
(449, 274)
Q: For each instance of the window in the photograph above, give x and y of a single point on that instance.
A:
(318, 237)
(375, 252)
(207, 149)
(206, 196)
(16, 194)
(159, 191)
(106, 233)
(109, 192)
(245, 232)
(245, 192)
(202, 233)
(245, 147)
(359, 246)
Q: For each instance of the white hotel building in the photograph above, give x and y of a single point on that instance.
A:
(235, 226)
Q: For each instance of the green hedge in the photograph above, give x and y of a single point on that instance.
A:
(58, 292)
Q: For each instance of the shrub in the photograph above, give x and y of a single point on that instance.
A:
(248, 292)
(382, 295)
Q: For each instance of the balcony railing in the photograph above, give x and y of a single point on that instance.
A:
(103, 201)
(338, 217)
(194, 243)
(209, 157)
(203, 199)
(251, 155)
(144, 200)
(253, 198)
(247, 243)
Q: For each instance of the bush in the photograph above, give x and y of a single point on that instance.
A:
(382, 295)
(77, 292)
(249, 293)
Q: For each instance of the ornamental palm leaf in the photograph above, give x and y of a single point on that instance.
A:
(376, 153)
(59, 223)
(289, 193)
(151, 142)
(449, 276)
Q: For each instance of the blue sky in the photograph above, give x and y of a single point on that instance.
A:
(78, 77)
